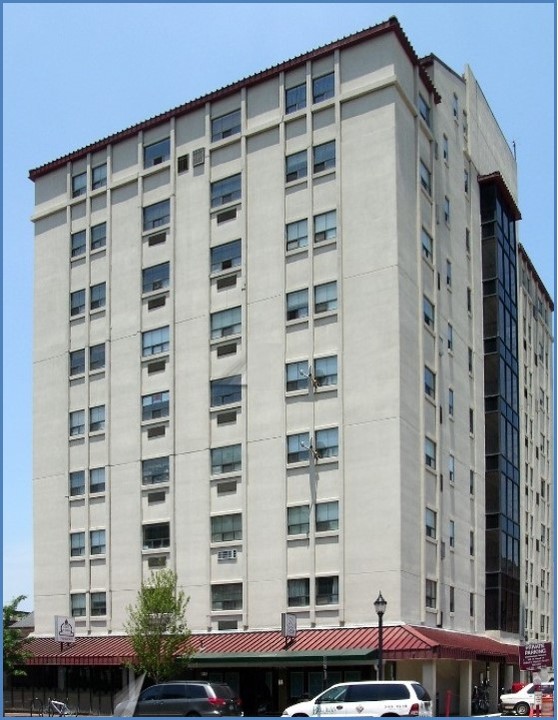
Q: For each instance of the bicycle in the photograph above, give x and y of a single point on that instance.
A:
(37, 707)
(59, 708)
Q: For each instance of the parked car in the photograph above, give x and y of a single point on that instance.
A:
(521, 702)
(184, 697)
(372, 698)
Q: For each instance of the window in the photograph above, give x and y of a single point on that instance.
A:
(78, 242)
(77, 483)
(77, 422)
(469, 300)
(156, 535)
(424, 110)
(325, 371)
(225, 126)
(97, 357)
(324, 156)
(77, 604)
(226, 527)
(295, 98)
(77, 303)
(425, 178)
(430, 453)
(446, 210)
(296, 234)
(451, 599)
(225, 191)
(431, 594)
(325, 226)
(226, 597)
(470, 360)
(225, 257)
(99, 176)
(79, 184)
(325, 297)
(467, 241)
(471, 542)
(445, 148)
(471, 482)
(428, 312)
(322, 88)
(471, 421)
(427, 245)
(429, 382)
(450, 402)
(97, 480)
(297, 376)
(450, 336)
(155, 341)
(296, 166)
(455, 106)
(98, 236)
(327, 516)
(452, 533)
(98, 296)
(155, 277)
(77, 362)
(297, 305)
(225, 323)
(98, 603)
(451, 468)
(155, 406)
(327, 443)
(226, 459)
(156, 153)
(448, 273)
(226, 391)
(77, 544)
(297, 447)
(97, 542)
(97, 418)
(156, 215)
(298, 520)
(466, 181)
(327, 590)
(155, 470)
(298, 591)
(430, 522)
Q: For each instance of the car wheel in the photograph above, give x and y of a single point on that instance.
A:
(522, 709)
(192, 714)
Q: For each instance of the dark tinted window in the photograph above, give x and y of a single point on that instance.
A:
(197, 691)
(223, 691)
(378, 692)
(152, 693)
(174, 692)
(422, 693)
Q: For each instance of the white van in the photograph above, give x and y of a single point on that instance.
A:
(372, 698)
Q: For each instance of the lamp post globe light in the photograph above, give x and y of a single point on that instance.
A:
(380, 607)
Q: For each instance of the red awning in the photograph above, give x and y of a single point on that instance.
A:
(400, 642)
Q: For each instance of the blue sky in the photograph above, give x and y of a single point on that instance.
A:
(77, 72)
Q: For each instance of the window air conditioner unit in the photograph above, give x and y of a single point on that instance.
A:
(224, 555)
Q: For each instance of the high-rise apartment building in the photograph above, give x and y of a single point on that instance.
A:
(276, 351)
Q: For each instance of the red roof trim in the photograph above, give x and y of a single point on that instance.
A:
(391, 25)
(400, 642)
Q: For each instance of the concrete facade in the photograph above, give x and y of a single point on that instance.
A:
(384, 486)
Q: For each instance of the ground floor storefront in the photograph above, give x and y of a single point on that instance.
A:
(270, 673)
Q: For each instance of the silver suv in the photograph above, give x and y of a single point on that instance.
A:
(185, 697)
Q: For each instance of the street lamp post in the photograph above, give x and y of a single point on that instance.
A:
(380, 607)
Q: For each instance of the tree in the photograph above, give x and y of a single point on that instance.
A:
(157, 628)
(15, 651)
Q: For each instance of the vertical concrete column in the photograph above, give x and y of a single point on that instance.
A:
(429, 682)
(508, 678)
(494, 689)
(465, 687)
